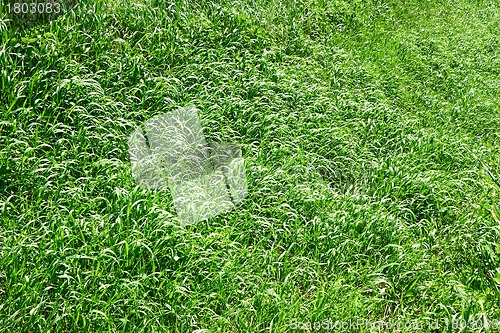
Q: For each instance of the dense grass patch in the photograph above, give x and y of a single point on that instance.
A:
(371, 137)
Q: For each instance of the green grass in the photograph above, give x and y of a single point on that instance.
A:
(371, 134)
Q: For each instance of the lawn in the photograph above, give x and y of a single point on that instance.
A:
(371, 136)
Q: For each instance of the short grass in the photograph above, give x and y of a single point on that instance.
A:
(371, 134)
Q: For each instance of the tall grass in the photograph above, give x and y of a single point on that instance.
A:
(371, 137)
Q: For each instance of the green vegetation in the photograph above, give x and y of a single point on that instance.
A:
(371, 133)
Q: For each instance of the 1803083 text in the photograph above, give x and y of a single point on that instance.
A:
(34, 7)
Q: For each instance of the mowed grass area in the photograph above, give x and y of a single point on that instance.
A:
(371, 134)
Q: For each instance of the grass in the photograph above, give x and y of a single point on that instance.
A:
(371, 137)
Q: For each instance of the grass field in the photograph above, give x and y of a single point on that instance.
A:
(371, 137)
